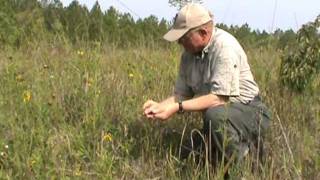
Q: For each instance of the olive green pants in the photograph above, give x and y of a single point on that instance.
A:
(231, 131)
(236, 129)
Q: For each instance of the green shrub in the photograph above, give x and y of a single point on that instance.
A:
(302, 63)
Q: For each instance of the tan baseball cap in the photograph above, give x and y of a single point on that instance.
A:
(190, 16)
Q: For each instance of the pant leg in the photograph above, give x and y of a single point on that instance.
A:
(232, 128)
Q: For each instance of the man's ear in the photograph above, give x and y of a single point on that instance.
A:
(203, 32)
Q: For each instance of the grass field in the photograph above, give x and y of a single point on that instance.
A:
(76, 113)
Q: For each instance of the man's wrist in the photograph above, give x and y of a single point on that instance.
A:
(180, 109)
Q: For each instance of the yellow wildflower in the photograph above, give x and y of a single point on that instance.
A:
(90, 81)
(131, 75)
(107, 137)
(98, 93)
(19, 78)
(32, 162)
(26, 96)
(77, 172)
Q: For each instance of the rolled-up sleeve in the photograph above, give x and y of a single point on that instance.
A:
(225, 73)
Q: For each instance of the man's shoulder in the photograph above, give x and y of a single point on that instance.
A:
(223, 33)
(223, 42)
(224, 38)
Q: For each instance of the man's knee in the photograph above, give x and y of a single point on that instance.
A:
(214, 117)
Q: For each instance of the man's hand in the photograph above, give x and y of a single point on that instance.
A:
(147, 108)
(152, 109)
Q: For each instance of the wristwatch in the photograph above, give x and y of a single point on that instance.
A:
(180, 111)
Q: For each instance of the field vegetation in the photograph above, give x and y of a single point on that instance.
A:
(73, 83)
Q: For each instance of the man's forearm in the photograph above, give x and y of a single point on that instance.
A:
(195, 104)
(203, 102)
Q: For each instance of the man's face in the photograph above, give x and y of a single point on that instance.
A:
(192, 41)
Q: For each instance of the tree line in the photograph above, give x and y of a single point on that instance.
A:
(25, 21)
(33, 20)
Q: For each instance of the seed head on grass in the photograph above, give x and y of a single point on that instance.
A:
(80, 53)
(45, 66)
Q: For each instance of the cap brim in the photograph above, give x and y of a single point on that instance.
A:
(175, 34)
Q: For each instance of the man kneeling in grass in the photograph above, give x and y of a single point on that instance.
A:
(214, 78)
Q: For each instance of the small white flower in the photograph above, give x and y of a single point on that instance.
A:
(2, 154)
(6, 146)
(51, 76)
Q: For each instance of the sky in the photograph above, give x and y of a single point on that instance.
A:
(259, 14)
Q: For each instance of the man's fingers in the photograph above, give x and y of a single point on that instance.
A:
(151, 110)
(150, 116)
(147, 111)
(148, 104)
(155, 110)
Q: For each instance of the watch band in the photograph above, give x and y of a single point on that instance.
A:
(180, 107)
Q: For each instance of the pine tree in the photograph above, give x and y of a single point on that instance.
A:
(126, 29)
(96, 23)
(75, 21)
(53, 12)
(110, 24)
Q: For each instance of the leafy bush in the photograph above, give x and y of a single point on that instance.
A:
(302, 63)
